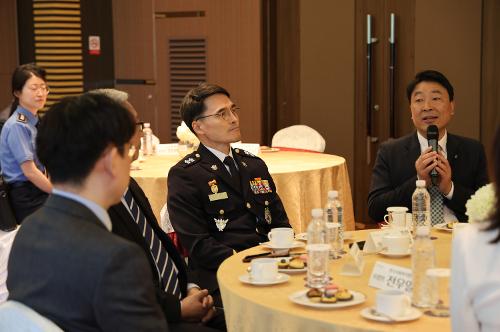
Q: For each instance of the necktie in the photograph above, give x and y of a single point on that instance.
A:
(235, 175)
(167, 270)
(437, 207)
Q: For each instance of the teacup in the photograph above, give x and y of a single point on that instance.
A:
(397, 244)
(281, 237)
(264, 269)
(396, 216)
(393, 303)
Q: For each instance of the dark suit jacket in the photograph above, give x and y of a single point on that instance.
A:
(125, 226)
(394, 174)
(69, 268)
(194, 215)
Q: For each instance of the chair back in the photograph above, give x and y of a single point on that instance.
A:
(16, 317)
(299, 137)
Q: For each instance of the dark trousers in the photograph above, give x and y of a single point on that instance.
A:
(25, 198)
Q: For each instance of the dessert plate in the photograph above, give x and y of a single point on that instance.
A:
(301, 298)
(443, 227)
(290, 270)
(372, 314)
(280, 278)
(295, 244)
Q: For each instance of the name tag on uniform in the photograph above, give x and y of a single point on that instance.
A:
(218, 196)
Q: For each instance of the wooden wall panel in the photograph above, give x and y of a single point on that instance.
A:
(8, 51)
(454, 48)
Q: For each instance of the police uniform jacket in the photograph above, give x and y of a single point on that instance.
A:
(213, 216)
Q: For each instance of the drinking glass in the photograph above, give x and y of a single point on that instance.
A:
(439, 281)
(317, 265)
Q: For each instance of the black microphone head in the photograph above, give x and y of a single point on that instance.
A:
(432, 132)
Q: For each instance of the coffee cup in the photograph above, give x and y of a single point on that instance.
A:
(281, 237)
(396, 216)
(393, 303)
(397, 244)
(264, 269)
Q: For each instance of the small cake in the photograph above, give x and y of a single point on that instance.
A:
(313, 292)
(333, 287)
(450, 225)
(328, 297)
(303, 257)
(296, 263)
(343, 295)
(330, 292)
(282, 264)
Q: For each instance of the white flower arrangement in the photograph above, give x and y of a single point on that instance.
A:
(481, 206)
(186, 136)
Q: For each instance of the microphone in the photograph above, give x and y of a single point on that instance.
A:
(432, 138)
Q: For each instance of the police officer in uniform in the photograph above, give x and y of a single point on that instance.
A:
(28, 184)
(220, 199)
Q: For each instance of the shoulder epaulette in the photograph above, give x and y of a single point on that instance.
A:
(245, 153)
(21, 118)
(191, 159)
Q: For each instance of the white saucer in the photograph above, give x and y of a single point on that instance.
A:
(301, 298)
(384, 252)
(295, 244)
(348, 235)
(370, 313)
(442, 227)
(280, 278)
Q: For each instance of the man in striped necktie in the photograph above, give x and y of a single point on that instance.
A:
(184, 304)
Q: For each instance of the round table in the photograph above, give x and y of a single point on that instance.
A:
(267, 308)
(302, 180)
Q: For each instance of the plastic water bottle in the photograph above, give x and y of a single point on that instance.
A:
(148, 139)
(421, 206)
(334, 211)
(318, 251)
(422, 258)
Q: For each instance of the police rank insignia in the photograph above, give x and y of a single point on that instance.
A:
(260, 186)
(216, 195)
(189, 161)
(21, 118)
(267, 213)
(220, 223)
(214, 167)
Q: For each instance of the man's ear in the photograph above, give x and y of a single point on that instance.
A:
(452, 105)
(197, 127)
(108, 160)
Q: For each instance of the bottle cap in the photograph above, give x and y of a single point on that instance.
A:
(146, 125)
(333, 194)
(420, 183)
(317, 213)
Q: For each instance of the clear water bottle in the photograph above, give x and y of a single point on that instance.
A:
(334, 212)
(421, 206)
(422, 258)
(318, 251)
(147, 139)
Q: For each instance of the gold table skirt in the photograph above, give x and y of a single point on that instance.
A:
(302, 180)
(251, 308)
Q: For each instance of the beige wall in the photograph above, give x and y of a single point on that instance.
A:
(445, 51)
(327, 73)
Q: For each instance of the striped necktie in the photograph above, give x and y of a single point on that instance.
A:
(167, 270)
(437, 205)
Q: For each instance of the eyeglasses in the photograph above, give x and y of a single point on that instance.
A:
(35, 88)
(224, 114)
(131, 151)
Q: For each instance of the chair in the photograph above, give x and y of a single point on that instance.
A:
(16, 317)
(299, 137)
(167, 227)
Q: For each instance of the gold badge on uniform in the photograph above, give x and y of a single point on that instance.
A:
(260, 186)
(216, 195)
(267, 213)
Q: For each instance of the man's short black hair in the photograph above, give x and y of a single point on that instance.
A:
(430, 76)
(76, 131)
(192, 105)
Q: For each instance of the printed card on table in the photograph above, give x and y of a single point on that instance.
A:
(355, 262)
(389, 276)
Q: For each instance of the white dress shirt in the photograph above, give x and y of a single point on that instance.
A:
(449, 215)
(6, 239)
(475, 281)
